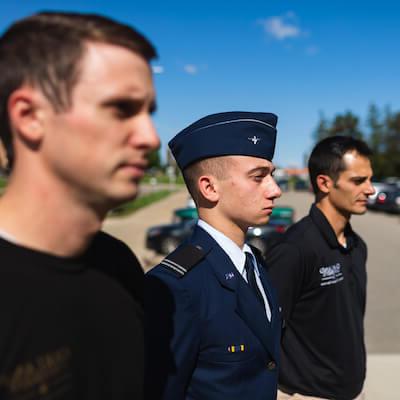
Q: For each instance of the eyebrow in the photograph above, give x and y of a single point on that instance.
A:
(264, 170)
(359, 178)
(136, 102)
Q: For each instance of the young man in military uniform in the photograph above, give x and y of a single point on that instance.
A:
(76, 94)
(319, 271)
(212, 325)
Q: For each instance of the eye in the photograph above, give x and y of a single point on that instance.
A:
(258, 178)
(359, 181)
(126, 109)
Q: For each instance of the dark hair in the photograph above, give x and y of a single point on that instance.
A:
(45, 50)
(327, 157)
(217, 166)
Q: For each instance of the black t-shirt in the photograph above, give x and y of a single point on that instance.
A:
(71, 329)
(322, 291)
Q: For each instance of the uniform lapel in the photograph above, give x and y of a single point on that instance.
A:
(247, 305)
(224, 269)
(275, 314)
(253, 314)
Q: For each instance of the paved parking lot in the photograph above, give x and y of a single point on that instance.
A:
(380, 231)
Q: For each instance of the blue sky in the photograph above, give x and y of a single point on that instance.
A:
(295, 58)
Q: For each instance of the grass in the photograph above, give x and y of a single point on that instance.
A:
(163, 179)
(143, 201)
(3, 182)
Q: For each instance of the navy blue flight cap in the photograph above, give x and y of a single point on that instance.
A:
(225, 134)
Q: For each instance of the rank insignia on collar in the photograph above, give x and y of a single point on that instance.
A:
(229, 275)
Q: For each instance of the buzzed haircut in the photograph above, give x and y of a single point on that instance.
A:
(327, 157)
(216, 166)
(45, 51)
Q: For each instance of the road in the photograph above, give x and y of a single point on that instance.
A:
(381, 233)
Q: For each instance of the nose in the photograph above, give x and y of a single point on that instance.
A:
(370, 190)
(273, 190)
(144, 134)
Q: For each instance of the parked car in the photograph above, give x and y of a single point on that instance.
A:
(283, 183)
(379, 187)
(302, 185)
(181, 214)
(284, 215)
(388, 200)
(165, 238)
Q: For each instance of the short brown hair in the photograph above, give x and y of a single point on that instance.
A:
(217, 166)
(45, 50)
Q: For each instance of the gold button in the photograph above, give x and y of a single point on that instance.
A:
(271, 365)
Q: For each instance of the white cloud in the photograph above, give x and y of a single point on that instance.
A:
(282, 27)
(158, 69)
(190, 69)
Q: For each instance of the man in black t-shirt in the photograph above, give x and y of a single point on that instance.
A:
(76, 94)
(319, 269)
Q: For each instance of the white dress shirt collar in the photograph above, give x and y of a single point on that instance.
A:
(235, 253)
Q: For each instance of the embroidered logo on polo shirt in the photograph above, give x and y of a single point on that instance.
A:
(331, 274)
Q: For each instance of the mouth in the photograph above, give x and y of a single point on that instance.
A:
(268, 210)
(136, 170)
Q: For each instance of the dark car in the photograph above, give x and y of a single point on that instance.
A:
(378, 187)
(281, 215)
(388, 200)
(165, 238)
(301, 185)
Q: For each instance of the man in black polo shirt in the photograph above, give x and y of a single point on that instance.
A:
(319, 271)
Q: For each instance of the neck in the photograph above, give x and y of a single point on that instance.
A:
(47, 220)
(337, 219)
(227, 227)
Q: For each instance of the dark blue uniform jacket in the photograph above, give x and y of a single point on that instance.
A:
(207, 336)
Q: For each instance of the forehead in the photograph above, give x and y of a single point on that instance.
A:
(356, 164)
(248, 163)
(109, 68)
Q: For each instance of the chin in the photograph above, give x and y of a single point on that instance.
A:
(359, 211)
(262, 221)
(123, 196)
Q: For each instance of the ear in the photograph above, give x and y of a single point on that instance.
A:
(24, 110)
(208, 188)
(324, 183)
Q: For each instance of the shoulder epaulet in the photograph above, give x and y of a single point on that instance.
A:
(183, 259)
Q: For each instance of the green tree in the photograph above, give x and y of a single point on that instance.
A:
(154, 159)
(392, 144)
(377, 132)
(346, 125)
(322, 129)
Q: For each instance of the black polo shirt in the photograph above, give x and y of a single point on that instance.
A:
(322, 292)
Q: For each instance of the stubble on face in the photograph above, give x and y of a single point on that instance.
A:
(353, 187)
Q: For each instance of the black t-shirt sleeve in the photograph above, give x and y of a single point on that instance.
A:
(115, 259)
(285, 269)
